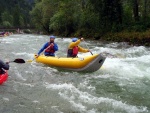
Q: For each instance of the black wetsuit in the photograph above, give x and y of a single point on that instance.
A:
(3, 66)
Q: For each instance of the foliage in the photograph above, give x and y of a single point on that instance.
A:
(7, 19)
(28, 31)
(6, 24)
(15, 12)
(41, 14)
(105, 19)
(91, 18)
(131, 37)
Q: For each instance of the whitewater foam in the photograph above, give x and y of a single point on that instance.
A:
(78, 98)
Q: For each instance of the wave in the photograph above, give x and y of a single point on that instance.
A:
(82, 101)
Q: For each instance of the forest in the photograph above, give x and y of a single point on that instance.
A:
(15, 13)
(116, 20)
(112, 20)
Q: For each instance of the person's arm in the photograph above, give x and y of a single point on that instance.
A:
(55, 47)
(72, 44)
(42, 49)
(4, 65)
(82, 49)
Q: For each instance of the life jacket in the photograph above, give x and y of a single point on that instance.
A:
(75, 51)
(50, 49)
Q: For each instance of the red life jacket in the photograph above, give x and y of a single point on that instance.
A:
(50, 49)
(75, 51)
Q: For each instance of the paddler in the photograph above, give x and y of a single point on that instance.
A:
(49, 48)
(74, 48)
(3, 66)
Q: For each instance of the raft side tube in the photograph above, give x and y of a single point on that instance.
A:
(92, 66)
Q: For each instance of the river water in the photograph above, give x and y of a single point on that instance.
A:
(122, 85)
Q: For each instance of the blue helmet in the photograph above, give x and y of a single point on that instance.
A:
(74, 39)
(52, 36)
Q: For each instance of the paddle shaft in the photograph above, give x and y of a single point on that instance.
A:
(31, 60)
(12, 62)
(88, 47)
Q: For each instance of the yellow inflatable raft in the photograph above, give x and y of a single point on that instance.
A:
(87, 63)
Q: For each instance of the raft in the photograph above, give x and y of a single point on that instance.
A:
(85, 64)
(3, 77)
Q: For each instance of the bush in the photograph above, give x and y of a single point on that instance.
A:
(140, 38)
(6, 24)
(28, 31)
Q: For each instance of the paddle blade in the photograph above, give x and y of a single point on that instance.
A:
(29, 60)
(19, 60)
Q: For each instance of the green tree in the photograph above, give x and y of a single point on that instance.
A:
(41, 14)
(90, 17)
(6, 24)
(64, 20)
(109, 12)
(16, 15)
(17, 9)
(127, 14)
(21, 21)
(7, 19)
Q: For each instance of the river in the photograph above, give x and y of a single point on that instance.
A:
(122, 85)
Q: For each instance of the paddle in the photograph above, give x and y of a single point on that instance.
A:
(30, 60)
(88, 47)
(18, 60)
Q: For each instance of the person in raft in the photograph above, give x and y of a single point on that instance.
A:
(73, 48)
(3, 67)
(49, 48)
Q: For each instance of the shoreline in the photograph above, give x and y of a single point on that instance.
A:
(132, 38)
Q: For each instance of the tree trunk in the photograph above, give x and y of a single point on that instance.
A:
(136, 10)
(145, 10)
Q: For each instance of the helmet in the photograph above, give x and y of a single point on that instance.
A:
(52, 36)
(74, 39)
